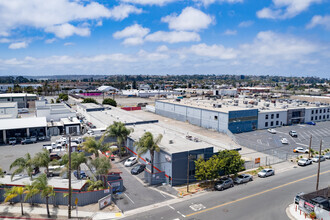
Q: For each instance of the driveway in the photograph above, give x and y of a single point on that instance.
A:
(136, 193)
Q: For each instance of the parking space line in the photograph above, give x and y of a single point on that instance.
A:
(316, 134)
(129, 198)
(326, 133)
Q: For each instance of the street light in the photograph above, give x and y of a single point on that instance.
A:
(190, 157)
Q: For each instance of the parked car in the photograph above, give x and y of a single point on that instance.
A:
(304, 161)
(33, 139)
(271, 130)
(327, 155)
(317, 158)
(41, 138)
(54, 170)
(139, 168)
(54, 156)
(35, 171)
(311, 123)
(82, 174)
(26, 141)
(284, 141)
(297, 197)
(130, 161)
(224, 184)
(266, 172)
(12, 140)
(300, 150)
(23, 110)
(293, 133)
(243, 178)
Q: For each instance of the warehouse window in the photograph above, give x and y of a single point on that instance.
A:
(272, 123)
(272, 116)
(317, 111)
(215, 117)
(276, 122)
(277, 115)
(266, 116)
(312, 118)
(312, 111)
(266, 124)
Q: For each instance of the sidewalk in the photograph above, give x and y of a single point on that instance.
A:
(295, 215)
(56, 213)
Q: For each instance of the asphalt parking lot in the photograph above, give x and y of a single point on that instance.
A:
(136, 194)
(263, 141)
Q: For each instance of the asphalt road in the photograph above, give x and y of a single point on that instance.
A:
(263, 141)
(261, 199)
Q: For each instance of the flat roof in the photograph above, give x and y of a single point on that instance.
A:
(6, 95)
(67, 121)
(8, 104)
(90, 106)
(17, 123)
(56, 182)
(172, 142)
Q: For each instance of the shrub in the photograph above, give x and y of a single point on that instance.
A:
(89, 100)
(109, 101)
(63, 96)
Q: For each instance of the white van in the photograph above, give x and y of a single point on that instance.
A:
(96, 131)
(55, 170)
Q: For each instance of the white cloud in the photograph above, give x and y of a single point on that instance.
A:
(216, 51)
(319, 20)
(50, 41)
(162, 48)
(43, 14)
(173, 37)
(18, 45)
(230, 32)
(245, 24)
(99, 23)
(69, 44)
(133, 41)
(152, 56)
(190, 19)
(67, 30)
(122, 11)
(149, 2)
(134, 30)
(4, 40)
(283, 9)
(208, 2)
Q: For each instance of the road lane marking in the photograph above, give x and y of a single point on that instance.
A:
(256, 194)
(129, 198)
(181, 214)
(171, 207)
(162, 195)
(303, 144)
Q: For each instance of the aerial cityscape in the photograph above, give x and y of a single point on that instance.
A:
(165, 109)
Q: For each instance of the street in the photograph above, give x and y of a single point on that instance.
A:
(261, 199)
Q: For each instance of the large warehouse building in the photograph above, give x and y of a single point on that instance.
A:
(241, 115)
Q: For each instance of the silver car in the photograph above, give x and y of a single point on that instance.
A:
(327, 155)
(243, 178)
(304, 161)
(224, 184)
(266, 172)
(317, 158)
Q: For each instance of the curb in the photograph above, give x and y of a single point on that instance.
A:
(288, 213)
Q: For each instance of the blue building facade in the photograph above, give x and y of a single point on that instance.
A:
(243, 120)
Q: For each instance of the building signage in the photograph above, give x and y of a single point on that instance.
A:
(105, 201)
(309, 207)
(257, 160)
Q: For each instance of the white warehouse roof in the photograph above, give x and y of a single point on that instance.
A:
(17, 123)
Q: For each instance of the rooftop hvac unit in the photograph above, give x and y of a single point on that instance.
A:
(317, 104)
(235, 104)
(170, 141)
(255, 103)
(266, 104)
(236, 101)
(217, 105)
(245, 102)
(249, 106)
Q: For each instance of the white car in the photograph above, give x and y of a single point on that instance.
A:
(304, 161)
(33, 139)
(266, 172)
(284, 141)
(130, 161)
(12, 140)
(271, 130)
(300, 150)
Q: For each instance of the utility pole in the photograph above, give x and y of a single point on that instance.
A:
(318, 169)
(69, 173)
(309, 148)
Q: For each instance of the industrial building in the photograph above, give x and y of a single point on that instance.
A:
(241, 115)
(53, 112)
(8, 110)
(24, 100)
(22, 128)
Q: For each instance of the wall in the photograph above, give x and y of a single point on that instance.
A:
(243, 120)
(311, 115)
(282, 119)
(11, 112)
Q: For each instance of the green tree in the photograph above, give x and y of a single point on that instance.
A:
(91, 145)
(23, 164)
(76, 160)
(39, 90)
(64, 97)
(148, 143)
(30, 191)
(120, 132)
(14, 192)
(109, 101)
(102, 166)
(41, 183)
(42, 159)
(89, 100)
(230, 162)
(207, 169)
(92, 185)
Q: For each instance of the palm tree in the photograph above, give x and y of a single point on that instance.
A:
(148, 143)
(102, 166)
(120, 132)
(41, 183)
(94, 146)
(22, 163)
(42, 159)
(30, 191)
(2, 173)
(92, 185)
(76, 160)
(14, 192)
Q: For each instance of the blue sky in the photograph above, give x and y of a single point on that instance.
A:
(275, 37)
